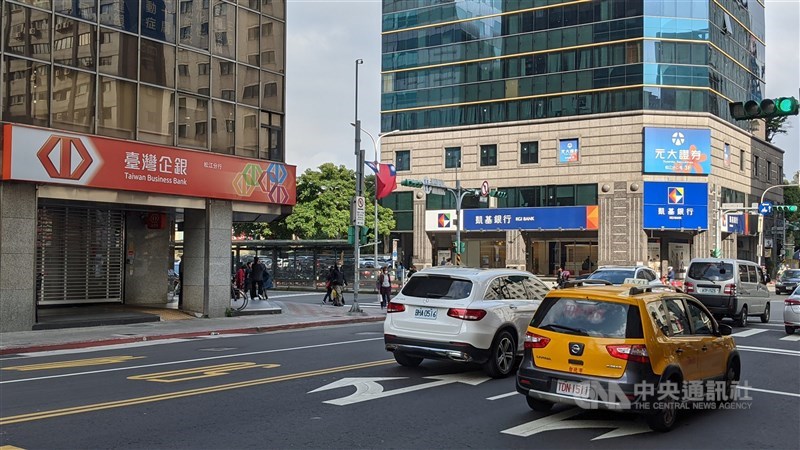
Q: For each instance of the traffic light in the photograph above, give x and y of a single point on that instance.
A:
(781, 106)
(411, 183)
(362, 236)
(498, 193)
(786, 208)
(716, 253)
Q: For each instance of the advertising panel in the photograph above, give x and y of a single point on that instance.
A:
(684, 151)
(56, 157)
(675, 205)
(543, 218)
(569, 151)
(440, 220)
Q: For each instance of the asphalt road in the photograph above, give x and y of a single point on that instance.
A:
(336, 387)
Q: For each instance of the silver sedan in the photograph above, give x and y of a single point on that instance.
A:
(791, 311)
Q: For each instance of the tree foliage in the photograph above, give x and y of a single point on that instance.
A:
(791, 196)
(775, 126)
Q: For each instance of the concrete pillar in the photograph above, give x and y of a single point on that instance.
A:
(515, 250)
(146, 279)
(621, 238)
(207, 258)
(18, 208)
(422, 244)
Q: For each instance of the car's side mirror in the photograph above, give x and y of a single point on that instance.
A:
(724, 330)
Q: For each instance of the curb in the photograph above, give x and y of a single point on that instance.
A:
(127, 340)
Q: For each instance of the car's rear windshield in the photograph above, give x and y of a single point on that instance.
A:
(437, 286)
(586, 317)
(791, 274)
(613, 276)
(711, 271)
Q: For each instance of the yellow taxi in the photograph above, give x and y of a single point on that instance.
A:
(648, 349)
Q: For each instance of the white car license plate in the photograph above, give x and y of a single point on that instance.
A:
(702, 290)
(425, 313)
(573, 389)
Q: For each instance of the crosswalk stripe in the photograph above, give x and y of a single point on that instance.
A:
(791, 337)
(748, 333)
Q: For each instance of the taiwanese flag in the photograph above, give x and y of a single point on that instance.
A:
(386, 176)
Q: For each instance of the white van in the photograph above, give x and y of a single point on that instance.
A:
(732, 288)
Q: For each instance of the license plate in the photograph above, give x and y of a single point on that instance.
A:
(573, 389)
(702, 290)
(426, 313)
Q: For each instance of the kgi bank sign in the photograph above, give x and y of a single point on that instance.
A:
(677, 151)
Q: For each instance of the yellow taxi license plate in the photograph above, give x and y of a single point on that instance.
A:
(573, 389)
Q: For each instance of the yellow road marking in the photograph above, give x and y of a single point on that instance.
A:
(10, 447)
(180, 394)
(74, 363)
(196, 373)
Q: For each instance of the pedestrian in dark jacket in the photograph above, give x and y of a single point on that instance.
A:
(328, 285)
(258, 274)
(338, 282)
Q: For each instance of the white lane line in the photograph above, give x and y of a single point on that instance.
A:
(767, 391)
(498, 397)
(791, 337)
(774, 351)
(210, 358)
(748, 333)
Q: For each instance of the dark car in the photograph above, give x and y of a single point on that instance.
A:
(788, 281)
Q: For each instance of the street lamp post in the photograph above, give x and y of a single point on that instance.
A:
(359, 190)
(376, 145)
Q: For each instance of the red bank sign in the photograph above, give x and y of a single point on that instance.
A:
(49, 156)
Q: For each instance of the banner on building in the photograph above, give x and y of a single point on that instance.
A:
(569, 151)
(685, 151)
(56, 157)
(440, 220)
(532, 219)
(675, 205)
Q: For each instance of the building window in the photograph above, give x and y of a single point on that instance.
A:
(402, 160)
(780, 174)
(769, 170)
(755, 166)
(183, 70)
(489, 155)
(452, 158)
(529, 153)
(741, 160)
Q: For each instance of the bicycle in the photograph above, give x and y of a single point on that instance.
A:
(239, 298)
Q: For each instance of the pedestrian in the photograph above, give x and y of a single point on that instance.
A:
(559, 277)
(670, 274)
(257, 279)
(180, 283)
(587, 264)
(384, 286)
(240, 277)
(449, 262)
(443, 262)
(412, 270)
(338, 282)
(329, 277)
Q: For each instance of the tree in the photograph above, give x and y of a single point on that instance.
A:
(775, 126)
(791, 196)
(323, 204)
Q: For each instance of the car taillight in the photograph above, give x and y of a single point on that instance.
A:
(466, 314)
(730, 289)
(533, 340)
(395, 307)
(791, 302)
(689, 287)
(636, 353)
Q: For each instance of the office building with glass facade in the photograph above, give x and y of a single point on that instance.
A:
(121, 119)
(579, 111)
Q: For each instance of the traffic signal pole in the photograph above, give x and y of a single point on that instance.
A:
(761, 223)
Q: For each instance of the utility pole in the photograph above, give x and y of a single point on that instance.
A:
(761, 222)
(359, 191)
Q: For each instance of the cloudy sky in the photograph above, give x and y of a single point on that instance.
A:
(325, 37)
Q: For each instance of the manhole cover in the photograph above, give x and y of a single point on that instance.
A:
(217, 349)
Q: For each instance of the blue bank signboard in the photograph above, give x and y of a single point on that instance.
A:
(677, 151)
(543, 218)
(675, 205)
(569, 151)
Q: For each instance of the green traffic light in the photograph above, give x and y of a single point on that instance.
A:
(786, 105)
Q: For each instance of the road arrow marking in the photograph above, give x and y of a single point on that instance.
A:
(369, 388)
(558, 422)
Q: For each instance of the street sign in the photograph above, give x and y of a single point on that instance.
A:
(732, 205)
(765, 208)
(361, 211)
(484, 188)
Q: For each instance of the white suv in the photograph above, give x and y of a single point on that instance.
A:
(465, 315)
(618, 274)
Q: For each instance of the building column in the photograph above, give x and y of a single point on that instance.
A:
(206, 259)
(422, 244)
(146, 279)
(18, 203)
(516, 257)
(622, 241)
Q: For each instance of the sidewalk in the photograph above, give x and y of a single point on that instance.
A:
(293, 315)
